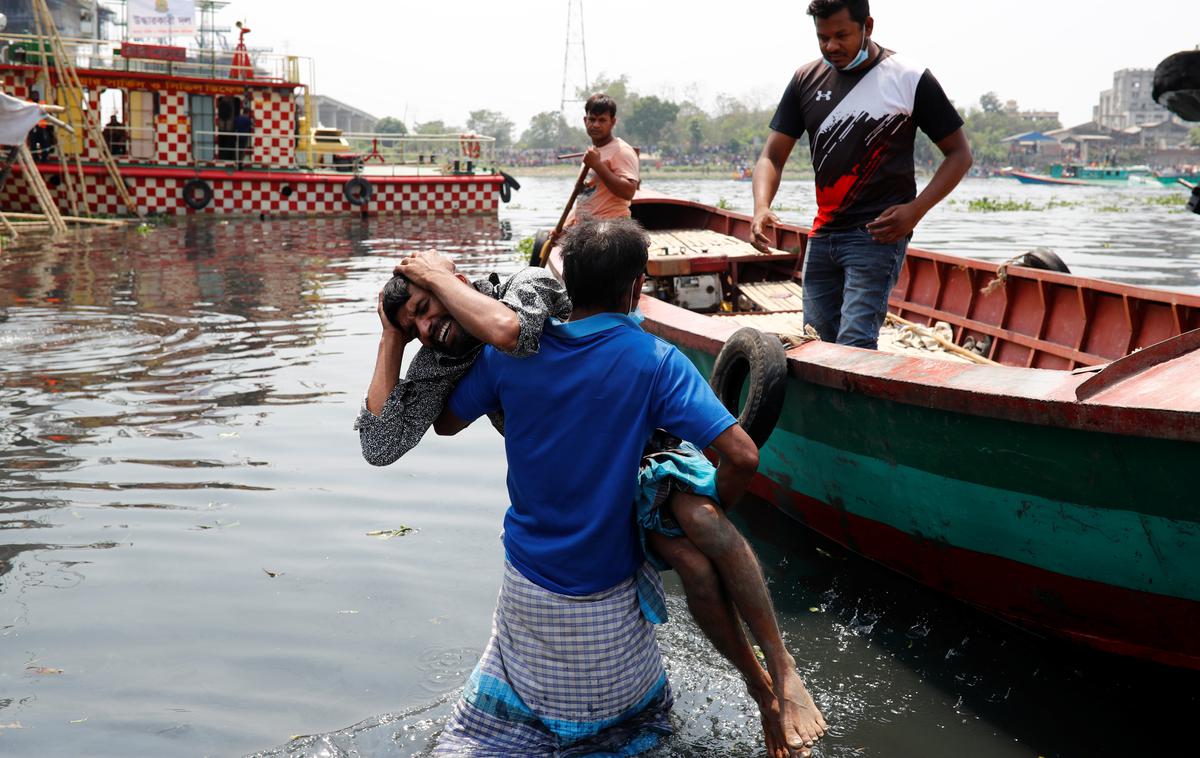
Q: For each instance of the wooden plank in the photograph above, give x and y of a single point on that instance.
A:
(774, 296)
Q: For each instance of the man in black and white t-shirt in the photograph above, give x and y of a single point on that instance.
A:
(860, 105)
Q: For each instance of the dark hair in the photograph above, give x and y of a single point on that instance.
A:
(602, 258)
(859, 9)
(395, 294)
(599, 104)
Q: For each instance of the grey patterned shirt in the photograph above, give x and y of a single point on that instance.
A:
(417, 399)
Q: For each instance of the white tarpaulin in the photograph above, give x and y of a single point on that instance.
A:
(17, 117)
(161, 18)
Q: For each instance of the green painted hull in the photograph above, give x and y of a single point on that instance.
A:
(1102, 530)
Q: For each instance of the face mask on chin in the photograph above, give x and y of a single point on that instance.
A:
(858, 59)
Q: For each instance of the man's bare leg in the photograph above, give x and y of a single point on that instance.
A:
(710, 530)
(714, 613)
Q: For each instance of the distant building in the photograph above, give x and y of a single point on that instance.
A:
(1164, 135)
(338, 115)
(1012, 109)
(74, 18)
(1128, 103)
(1032, 148)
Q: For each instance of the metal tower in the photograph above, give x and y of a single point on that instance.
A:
(575, 40)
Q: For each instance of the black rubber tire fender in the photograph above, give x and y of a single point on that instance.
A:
(759, 359)
(197, 194)
(1047, 260)
(539, 241)
(505, 192)
(1177, 84)
(357, 191)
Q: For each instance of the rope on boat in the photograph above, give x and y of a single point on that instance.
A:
(948, 345)
(1001, 275)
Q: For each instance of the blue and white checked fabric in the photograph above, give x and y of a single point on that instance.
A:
(563, 676)
(669, 465)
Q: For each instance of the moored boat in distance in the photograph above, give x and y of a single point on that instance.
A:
(1080, 175)
(1043, 481)
(210, 131)
(1178, 178)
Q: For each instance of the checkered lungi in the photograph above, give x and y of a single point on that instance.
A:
(564, 676)
(669, 465)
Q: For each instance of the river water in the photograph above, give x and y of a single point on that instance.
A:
(186, 567)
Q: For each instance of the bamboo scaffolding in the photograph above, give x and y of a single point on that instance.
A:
(72, 219)
(12, 230)
(68, 76)
(40, 191)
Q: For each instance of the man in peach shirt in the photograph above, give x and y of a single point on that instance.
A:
(614, 175)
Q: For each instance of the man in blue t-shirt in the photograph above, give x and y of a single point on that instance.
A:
(577, 417)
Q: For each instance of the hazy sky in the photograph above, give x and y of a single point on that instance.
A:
(438, 60)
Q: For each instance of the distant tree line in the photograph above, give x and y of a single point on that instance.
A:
(682, 132)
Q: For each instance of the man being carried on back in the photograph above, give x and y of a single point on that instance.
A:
(717, 567)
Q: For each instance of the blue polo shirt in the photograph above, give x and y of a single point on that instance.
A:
(577, 416)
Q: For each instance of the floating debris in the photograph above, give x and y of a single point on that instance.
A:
(45, 670)
(387, 534)
(272, 574)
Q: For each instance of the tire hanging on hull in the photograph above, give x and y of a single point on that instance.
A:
(750, 356)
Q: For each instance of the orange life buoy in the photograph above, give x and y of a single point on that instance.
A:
(469, 143)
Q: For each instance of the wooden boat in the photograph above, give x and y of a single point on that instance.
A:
(1178, 179)
(1086, 176)
(1049, 488)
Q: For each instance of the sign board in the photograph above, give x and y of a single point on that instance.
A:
(153, 52)
(161, 18)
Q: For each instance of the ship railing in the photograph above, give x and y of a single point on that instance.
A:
(360, 152)
(387, 149)
(106, 55)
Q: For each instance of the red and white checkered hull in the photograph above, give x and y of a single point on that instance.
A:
(159, 191)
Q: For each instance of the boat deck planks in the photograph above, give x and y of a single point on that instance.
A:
(680, 252)
(774, 296)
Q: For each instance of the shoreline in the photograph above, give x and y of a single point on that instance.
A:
(570, 169)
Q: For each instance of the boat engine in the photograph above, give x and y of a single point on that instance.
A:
(701, 292)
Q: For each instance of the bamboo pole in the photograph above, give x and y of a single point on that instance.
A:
(40, 191)
(8, 226)
(91, 120)
(72, 219)
(951, 347)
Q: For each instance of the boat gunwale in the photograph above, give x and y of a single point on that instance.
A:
(1038, 396)
(273, 175)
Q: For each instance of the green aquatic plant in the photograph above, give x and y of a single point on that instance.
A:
(1111, 208)
(988, 205)
(723, 204)
(144, 228)
(525, 247)
(1057, 203)
(1170, 201)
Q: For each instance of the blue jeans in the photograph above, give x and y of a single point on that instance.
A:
(847, 279)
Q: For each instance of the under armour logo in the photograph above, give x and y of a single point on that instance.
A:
(824, 95)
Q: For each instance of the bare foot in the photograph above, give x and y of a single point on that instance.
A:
(772, 725)
(802, 722)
